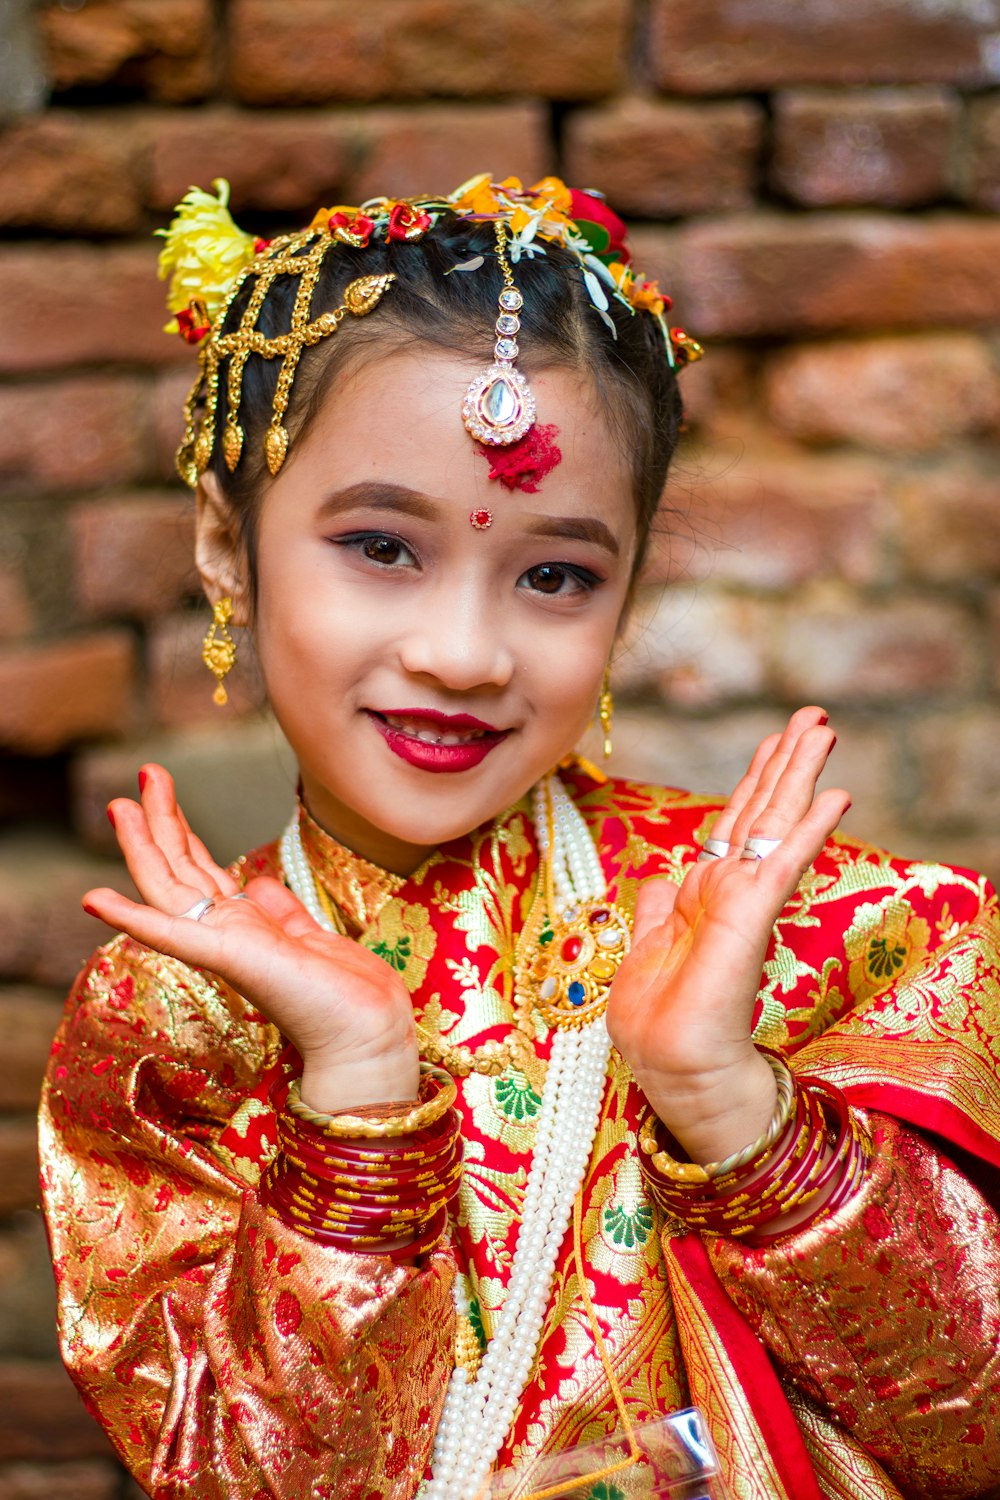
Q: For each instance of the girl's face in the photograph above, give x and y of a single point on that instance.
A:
(426, 673)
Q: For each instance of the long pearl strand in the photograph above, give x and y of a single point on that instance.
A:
(478, 1412)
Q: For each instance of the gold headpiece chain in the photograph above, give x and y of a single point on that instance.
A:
(298, 255)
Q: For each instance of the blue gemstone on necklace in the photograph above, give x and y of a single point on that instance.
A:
(577, 993)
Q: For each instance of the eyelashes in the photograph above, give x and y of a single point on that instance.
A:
(550, 580)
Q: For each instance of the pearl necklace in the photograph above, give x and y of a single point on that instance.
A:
(478, 1410)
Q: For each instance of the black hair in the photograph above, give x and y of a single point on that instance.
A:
(433, 303)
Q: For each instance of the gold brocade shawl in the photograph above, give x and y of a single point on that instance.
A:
(882, 976)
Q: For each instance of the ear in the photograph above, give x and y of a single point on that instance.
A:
(219, 553)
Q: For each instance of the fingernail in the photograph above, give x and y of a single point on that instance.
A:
(143, 778)
(89, 910)
(111, 816)
(834, 741)
(824, 718)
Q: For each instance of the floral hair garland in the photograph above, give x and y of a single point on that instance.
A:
(207, 258)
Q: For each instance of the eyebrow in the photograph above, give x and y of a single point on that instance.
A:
(380, 495)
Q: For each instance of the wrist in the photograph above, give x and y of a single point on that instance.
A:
(335, 1086)
(714, 1113)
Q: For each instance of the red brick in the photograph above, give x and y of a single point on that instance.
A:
(87, 1480)
(402, 152)
(950, 530)
(844, 650)
(27, 1302)
(133, 555)
(292, 162)
(907, 394)
(170, 390)
(656, 158)
(774, 519)
(180, 684)
(302, 52)
(714, 46)
(56, 693)
(73, 434)
(16, 613)
(45, 935)
(694, 648)
(71, 173)
(161, 48)
(77, 304)
(28, 1021)
(772, 273)
(980, 168)
(42, 1419)
(18, 1165)
(958, 769)
(889, 146)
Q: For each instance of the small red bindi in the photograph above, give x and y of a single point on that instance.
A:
(482, 520)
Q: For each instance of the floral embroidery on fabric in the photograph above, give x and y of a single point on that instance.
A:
(882, 942)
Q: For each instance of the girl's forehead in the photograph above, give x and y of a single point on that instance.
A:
(398, 417)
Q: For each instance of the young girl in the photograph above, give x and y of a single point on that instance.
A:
(439, 1135)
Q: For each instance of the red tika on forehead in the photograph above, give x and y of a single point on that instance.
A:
(524, 464)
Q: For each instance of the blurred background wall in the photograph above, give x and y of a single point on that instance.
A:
(816, 185)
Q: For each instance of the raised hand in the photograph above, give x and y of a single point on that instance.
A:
(682, 1002)
(347, 1011)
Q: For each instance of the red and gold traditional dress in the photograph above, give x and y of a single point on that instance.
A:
(228, 1355)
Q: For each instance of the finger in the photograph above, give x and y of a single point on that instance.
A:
(779, 873)
(745, 788)
(152, 872)
(653, 905)
(178, 937)
(170, 829)
(796, 787)
(802, 721)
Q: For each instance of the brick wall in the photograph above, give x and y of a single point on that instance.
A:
(817, 185)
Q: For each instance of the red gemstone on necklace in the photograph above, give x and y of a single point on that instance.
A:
(481, 519)
(571, 948)
(598, 918)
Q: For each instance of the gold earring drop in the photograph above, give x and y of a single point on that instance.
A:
(218, 649)
(606, 710)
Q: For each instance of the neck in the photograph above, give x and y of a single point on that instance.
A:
(395, 855)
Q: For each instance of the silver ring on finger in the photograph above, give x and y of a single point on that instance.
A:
(197, 911)
(757, 848)
(714, 849)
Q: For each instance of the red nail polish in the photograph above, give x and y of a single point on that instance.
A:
(143, 778)
(111, 817)
(89, 910)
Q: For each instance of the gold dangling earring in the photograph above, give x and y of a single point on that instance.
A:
(606, 710)
(218, 649)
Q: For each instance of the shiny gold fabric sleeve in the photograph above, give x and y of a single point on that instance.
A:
(887, 1317)
(225, 1354)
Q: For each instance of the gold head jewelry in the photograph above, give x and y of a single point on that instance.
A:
(606, 711)
(499, 407)
(211, 262)
(218, 649)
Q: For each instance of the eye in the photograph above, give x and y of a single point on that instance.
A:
(558, 578)
(378, 547)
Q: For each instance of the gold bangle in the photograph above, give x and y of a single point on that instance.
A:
(348, 1126)
(692, 1173)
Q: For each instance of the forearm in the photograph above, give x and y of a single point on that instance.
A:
(887, 1315)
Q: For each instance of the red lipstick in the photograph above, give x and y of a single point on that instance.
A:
(403, 738)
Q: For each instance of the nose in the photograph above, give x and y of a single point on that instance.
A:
(458, 638)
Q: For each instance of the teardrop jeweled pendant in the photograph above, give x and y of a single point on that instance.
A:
(499, 407)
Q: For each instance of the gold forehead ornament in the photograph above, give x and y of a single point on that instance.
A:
(298, 255)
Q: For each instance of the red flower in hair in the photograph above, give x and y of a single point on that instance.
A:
(356, 231)
(585, 209)
(406, 223)
(192, 323)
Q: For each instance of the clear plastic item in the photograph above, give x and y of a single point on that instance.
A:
(670, 1458)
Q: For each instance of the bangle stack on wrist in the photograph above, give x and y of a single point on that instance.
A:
(369, 1185)
(812, 1145)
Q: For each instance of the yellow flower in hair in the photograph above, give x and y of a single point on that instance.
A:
(204, 251)
(552, 190)
(475, 196)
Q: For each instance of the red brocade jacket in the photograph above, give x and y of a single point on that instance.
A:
(229, 1356)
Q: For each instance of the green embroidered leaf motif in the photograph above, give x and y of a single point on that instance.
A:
(397, 954)
(628, 1229)
(605, 1490)
(476, 1319)
(516, 1098)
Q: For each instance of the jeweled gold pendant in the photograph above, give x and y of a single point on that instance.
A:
(499, 406)
(578, 955)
